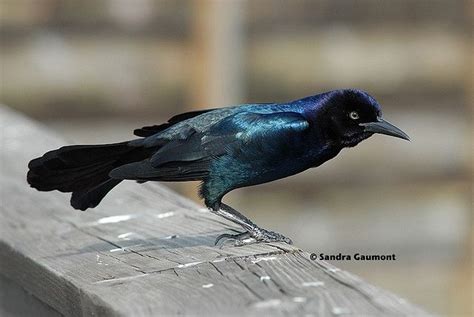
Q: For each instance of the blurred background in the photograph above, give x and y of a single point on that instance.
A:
(95, 70)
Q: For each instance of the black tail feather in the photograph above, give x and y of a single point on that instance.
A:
(171, 172)
(82, 170)
(91, 197)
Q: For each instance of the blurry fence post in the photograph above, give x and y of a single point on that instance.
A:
(217, 53)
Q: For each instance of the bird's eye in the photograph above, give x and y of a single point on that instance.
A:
(354, 115)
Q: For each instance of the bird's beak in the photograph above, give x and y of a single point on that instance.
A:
(383, 127)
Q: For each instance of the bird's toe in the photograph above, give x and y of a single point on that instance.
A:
(239, 238)
(270, 236)
(258, 235)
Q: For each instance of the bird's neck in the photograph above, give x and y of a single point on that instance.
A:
(324, 154)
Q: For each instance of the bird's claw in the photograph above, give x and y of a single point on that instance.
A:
(271, 236)
(249, 237)
(239, 238)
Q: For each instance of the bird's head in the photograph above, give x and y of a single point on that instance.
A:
(352, 116)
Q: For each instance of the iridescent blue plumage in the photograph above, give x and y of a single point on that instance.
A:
(249, 144)
(224, 148)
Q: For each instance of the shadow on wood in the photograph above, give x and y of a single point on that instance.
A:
(147, 251)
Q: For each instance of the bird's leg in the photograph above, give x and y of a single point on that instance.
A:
(252, 230)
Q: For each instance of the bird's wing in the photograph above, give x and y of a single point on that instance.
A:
(182, 126)
(184, 159)
(232, 132)
(247, 125)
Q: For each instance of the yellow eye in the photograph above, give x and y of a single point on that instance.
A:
(354, 115)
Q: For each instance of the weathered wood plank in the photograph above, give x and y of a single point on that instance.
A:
(147, 251)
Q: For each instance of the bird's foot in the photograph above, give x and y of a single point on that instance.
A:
(256, 235)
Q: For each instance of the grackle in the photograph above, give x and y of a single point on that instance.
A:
(224, 148)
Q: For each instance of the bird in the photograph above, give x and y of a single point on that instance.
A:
(223, 148)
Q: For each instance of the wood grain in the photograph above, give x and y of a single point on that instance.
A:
(146, 251)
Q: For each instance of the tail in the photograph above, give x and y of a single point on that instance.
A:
(82, 170)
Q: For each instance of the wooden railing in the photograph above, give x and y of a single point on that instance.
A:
(147, 251)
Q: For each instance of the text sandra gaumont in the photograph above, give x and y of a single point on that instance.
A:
(355, 256)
